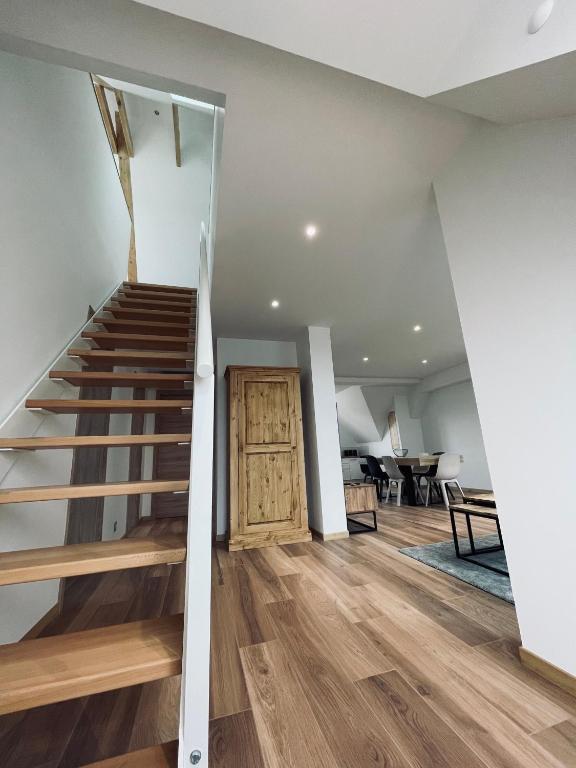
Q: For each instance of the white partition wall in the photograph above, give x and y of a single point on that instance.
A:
(508, 209)
(326, 507)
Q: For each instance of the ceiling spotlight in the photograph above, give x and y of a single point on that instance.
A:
(311, 231)
(417, 328)
(274, 303)
(365, 359)
(424, 362)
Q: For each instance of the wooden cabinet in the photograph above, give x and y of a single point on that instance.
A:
(267, 492)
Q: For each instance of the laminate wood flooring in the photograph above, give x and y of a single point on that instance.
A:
(350, 654)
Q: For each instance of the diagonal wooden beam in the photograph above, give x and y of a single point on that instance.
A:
(129, 146)
(126, 182)
(176, 119)
(106, 116)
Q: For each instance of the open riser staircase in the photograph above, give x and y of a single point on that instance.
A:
(144, 339)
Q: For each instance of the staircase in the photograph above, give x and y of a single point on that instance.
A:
(147, 331)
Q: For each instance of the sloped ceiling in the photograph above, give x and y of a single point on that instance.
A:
(420, 47)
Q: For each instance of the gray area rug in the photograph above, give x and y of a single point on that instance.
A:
(443, 557)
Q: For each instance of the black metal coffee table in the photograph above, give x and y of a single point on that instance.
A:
(483, 508)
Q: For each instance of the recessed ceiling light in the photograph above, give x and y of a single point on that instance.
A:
(417, 328)
(365, 359)
(274, 303)
(311, 231)
(424, 362)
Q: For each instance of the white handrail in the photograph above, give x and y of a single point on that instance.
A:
(204, 349)
(194, 703)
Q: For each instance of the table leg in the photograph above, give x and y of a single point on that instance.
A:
(470, 534)
(410, 492)
(454, 533)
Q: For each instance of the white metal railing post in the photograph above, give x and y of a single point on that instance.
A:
(194, 702)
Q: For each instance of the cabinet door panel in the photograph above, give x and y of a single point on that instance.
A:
(269, 485)
(267, 416)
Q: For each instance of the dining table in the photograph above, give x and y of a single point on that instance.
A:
(407, 464)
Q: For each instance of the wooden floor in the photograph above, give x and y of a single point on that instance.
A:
(349, 654)
(344, 654)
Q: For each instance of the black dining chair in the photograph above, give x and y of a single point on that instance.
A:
(365, 469)
(375, 471)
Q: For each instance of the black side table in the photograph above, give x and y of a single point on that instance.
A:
(471, 508)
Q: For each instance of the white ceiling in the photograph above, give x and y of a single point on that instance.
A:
(537, 92)
(420, 47)
(304, 143)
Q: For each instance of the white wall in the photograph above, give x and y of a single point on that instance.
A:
(63, 218)
(64, 245)
(326, 507)
(169, 202)
(508, 208)
(239, 352)
(450, 423)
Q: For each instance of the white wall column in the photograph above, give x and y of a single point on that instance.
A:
(508, 210)
(326, 508)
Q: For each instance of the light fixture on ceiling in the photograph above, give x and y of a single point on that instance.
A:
(417, 328)
(311, 231)
(424, 362)
(274, 303)
(365, 359)
(540, 16)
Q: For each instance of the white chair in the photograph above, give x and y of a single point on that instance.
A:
(395, 476)
(447, 472)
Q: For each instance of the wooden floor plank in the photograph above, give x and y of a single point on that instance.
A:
(423, 737)
(332, 697)
(234, 742)
(228, 693)
(288, 732)
(560, 741)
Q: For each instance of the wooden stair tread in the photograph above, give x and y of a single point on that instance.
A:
(51, 669)
(110, 406)
(105, 379)
(171, 306)
(143, 358)
(111, 340)
(89, 441)
(89, 490)
(79, 559)
(142, 326)
(160, 756)
(133, 293)
(155, 287)
(149, 314)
